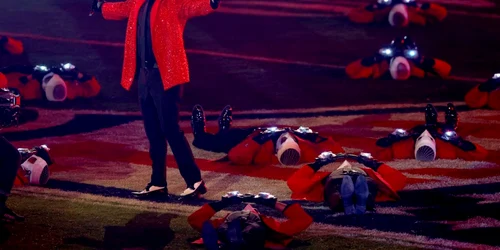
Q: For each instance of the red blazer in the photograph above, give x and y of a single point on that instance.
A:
(168, 18)
(444, 150)
(309, 185)
(250, 152)
(298, 221)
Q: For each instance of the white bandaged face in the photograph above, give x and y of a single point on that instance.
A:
(287, 149)
(398, 16)
(400, 68)
(425, 147)
(54, 87)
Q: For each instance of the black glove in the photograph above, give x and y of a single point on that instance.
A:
(214, 4)
(268, 134)
(457, 141)
(96, 7)
(265, 199)
(396, 136)
(489, 85)
(368, 161)
(227, 200)
(324, 159)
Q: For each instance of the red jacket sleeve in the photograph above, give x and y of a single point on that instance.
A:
(442, 68)
(356, 70)
(88, 89)
(494, 99)
(403, 149)
(480, 154)
(3, 81)
(117, 11)
(298, 221)
(307, 184)
(394, 177)
(476, 99)
(14, 46)
(445, 150)
(266, 155)
(193, 8)
(201, 215)
(245, 151)
(361, 15)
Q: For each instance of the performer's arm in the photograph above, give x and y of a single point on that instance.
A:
(12, 45)
(245, 151)
(3, 81)
(298, 219)
(116, 11)
(304, 179)
(205, 213)
(193, 8)
(369, 67)
(435, 66)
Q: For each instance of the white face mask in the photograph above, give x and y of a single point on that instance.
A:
(425, 147)
(37, 170)
(54, 87)
(398, 16)
(287, 149)
(400, 68)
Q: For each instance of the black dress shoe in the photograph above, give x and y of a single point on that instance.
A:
(431, 115)
(226, 118)
(451, 117)
(198, 120)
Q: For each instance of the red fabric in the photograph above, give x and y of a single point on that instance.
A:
(88, 89)
(168, 19)
(250, 152)
(14, 46)
(298, 221)
(494, 99)
(308, 185)
(475, 98)
(3, 81)
(356, 70)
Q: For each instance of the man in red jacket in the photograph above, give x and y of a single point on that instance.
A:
(352, 189)
(260, 146)
(248, 229)
(155, 58)
(430, 141)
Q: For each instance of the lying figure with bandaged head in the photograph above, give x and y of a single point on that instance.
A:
(247, 228)
(54, 84)
(35, 165)
(400, 60)
(259, 146)
(430, 141)
(351, 188)
(399, 13)
(9, 45)
(486, 94)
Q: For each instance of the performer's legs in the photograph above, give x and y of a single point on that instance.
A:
(10, 160)
(168, 108)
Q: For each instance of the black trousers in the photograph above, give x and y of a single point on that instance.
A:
(223, 141)
(10, 160)
(160, 111)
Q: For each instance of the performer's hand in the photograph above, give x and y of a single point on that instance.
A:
(368, 161)
(214, 4)
(96, 7)
(265, 199)
(232, 198)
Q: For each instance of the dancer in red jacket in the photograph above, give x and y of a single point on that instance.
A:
(58, 83)
(260, 146)
(248, 229)
(430, 141)
(486, 94)
(352, 189)
(399, 13)
(400, 61)
(155, 58)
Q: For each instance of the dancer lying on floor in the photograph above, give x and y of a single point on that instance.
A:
(248, 229)
(34, 167)
(400, 61)
(353, 189)
(273, 145)
(399, 13)
(430, 141)
(486, 94)
(57, 83)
